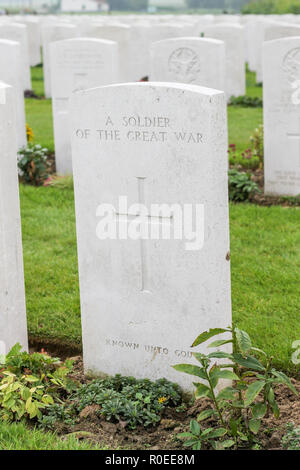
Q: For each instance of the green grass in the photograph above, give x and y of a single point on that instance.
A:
(242, 121)
(265, 264)
(19, 437)
(50, 262)
(252, 88)
(39, 118)
(37, 79)
(241, 124)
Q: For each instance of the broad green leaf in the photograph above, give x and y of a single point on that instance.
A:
(195, 427)
(248, 362)
(197, 445)
(254, 425)
(271, 396)
(28, 403)
(284, 379)
(15, 350)
(258, 350)
(225, 374)
(219, 342)
(219, 355)
(208, 334)
(243, 340)
(259, 410)
(190, 369)
(206, 432)
(252, 391)
(189, 443)
(275, 409)
(227, 443)
(217, 433)
(202, 358)
(233, 423)
(31, 378)
(202, 391)
(227, 393)
(25, 394)
(206, 414)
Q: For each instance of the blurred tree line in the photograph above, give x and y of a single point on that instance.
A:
(127, 5)
(224, 5)
(141, 5)
(272, 6)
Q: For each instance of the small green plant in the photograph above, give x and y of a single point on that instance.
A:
(253, 157)
(22, 397)
(197, 437)
(240, 186)
(291, 439)
(237, 409)
(257, 142)
(246, 101)
(132, 401)
(33, 164)
(20, 362)
(58, 412)
(247, 159)
(29, 383)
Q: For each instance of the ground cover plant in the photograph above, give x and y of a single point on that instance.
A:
(118, 399)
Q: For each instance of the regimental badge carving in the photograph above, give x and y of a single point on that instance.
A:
(291, 65)
(184, 64)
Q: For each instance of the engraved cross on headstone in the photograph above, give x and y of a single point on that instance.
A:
(296, 136)
(145, 220)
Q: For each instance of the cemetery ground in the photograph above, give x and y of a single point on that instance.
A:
(265, 262)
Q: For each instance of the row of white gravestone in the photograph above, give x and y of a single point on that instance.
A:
(143, 300)
(134, 46)
(134, 36)
(87, 62)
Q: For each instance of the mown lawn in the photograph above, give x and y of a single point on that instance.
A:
(19, 437)
(265, 254)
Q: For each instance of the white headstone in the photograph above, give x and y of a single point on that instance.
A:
(277, 30)
(13, 327)
(11, 72)
(77, 64)
(233, 36)
(136, 147)
(18, 33)
(281, 75)
(34, 39)
(198, 61)
(52, 33)
(119, 33)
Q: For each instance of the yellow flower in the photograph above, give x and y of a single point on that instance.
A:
(29, 133)
(162, 399)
